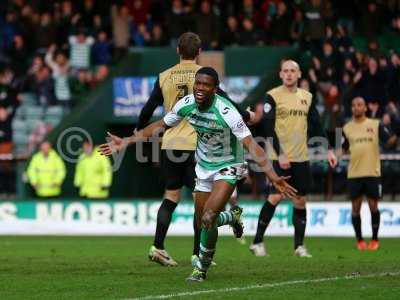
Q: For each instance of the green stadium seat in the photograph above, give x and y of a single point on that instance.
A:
(56, 111)
(20, 138)
(29, 99)
(53, 120)
(19, 125)
(21, 112)
(34, 112)
(32, 123)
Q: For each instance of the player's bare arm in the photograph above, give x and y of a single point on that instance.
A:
(117, 143)
(261, 159)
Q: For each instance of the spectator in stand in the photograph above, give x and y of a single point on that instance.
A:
(27, 26)
(139, 10)
(43, 86)
(93, 173)
(177, 20)
(345, 10)
(8, 30)
(8, 92)
(158, 39)
(344, 43)
(280, 26)
(297, 28)
(141, 37)
(59, 65)
(46, 172)
(314, 29)
(250, 36)
(206, 26)
(80, 51)
(7, 176)
(373, 49)
(231, 34)
(45, 32)
(9, 101)
(102, 49)
(87, 13)
(371, 86)
(65, 23)
(18, 54)
(120, 27)
(394, 86)
(371, 21)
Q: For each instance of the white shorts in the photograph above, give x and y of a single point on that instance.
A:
(205, 178)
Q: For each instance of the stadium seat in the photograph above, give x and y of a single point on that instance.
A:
(29, 99)
(20, 138)
(56, 111)
(19, 125)
(34, 112)
(53, 120)
(21, 112)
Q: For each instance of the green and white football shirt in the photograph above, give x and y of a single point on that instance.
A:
(220, 128)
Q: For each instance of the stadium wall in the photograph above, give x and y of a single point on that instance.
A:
(138, 217)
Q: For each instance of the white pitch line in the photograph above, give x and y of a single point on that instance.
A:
(266, 285)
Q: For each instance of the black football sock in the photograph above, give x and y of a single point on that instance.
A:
(356, 221)
(265, 217)
(375, 220)
(164, 217)
(299, 222)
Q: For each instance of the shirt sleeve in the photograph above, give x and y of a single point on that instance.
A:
(177, 113)
(156, 99)
(268, 122)
(235, 122)
(244, 113)
(345, 142)
(384, 133)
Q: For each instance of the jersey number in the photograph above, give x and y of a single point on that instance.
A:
(183, 90)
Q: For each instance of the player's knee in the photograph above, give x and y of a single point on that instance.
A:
(300, 202)
(208, 219)
(173, 195)
(274, 199)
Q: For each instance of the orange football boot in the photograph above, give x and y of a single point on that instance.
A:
(373, 245)
(362, 245)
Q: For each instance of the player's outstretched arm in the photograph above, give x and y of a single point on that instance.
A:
(261, 159)
(116, 143)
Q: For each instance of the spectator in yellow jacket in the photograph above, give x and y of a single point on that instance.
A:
(93, 174)
(46, 172)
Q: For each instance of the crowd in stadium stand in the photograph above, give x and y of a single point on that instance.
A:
(60, 49)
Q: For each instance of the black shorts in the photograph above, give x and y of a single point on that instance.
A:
(178, 171)
(368, 186)
(300, 176)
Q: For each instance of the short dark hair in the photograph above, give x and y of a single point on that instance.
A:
(210, 72)
(189, 45)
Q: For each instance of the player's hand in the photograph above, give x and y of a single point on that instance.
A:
(283, 187)
(284, 162)
(332, 159)
(116, 144)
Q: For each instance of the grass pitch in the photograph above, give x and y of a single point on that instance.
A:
(118, 268)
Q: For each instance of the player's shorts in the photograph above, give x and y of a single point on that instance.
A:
(231, 174)
(368, 186)
(178, 171)
(300, 176)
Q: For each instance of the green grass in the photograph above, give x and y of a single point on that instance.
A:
(118, 268)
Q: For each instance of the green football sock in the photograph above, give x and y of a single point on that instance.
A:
(208, 241)
(224, 218)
